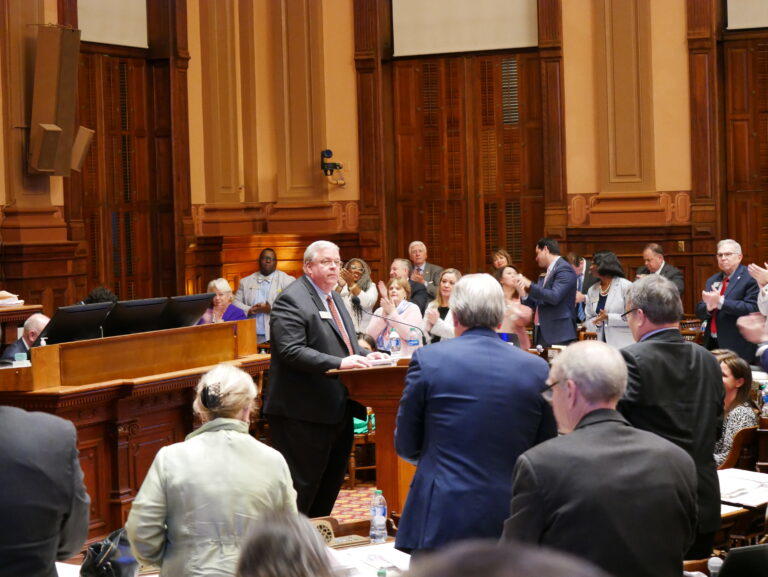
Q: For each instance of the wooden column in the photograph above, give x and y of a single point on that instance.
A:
(553, 106)
(373, 51)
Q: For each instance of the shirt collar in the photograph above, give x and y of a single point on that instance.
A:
(323, 295)
(552, 264)
(651, 333)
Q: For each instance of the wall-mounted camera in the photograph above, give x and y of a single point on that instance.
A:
(328, 167)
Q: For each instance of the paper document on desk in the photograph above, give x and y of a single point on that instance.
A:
(740, 487)
(367, 560)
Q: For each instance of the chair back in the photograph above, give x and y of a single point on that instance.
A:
(743, 453)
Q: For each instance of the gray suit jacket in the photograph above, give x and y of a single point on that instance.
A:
(247, 291)
(622, 498)
(432, 277)
(305, 345)
(43, 505)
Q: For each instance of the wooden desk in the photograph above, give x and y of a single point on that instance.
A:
(11, 318)
(129, 396)
(381, 389)
(762, 445)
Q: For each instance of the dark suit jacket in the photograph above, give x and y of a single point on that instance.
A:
(419, 295)
(619, 497)
(669, 272)
(556, 301)
(305, 346)
(9, 354)
(470, 406)
(43, 504)
(740, 300)
(675, 390)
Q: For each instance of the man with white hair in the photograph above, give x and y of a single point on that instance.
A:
(728, 295)
(310, 413)
(622, 498)
(424, 272)
(33, 326)
(471, 405)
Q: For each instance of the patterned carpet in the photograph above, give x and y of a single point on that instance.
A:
(354, 504)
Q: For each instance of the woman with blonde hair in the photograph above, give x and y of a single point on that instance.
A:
(438, 320)
(399, 314)
(202, 496)
(222, 310)
(740, 411)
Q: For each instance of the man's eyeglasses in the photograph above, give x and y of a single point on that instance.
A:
(725, 254)
(627, 313)
(329, 262)
(548, 393)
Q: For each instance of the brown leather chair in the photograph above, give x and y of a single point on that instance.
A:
(587, 336)
(743, 453)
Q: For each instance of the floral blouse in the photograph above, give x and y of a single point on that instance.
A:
(740, 417)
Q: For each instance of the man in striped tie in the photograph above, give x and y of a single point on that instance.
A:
(310, 413)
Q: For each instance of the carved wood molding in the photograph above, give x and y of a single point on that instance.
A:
(630, 209)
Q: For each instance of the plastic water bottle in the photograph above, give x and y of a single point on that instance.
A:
(395, 348)
(714, 565)
(413, 337)
(378, 517)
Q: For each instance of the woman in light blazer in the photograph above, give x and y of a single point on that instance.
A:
(606, 302)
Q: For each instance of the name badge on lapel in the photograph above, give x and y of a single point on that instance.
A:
(325, 315)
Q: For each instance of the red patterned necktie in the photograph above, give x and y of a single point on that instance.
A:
(713, 328)
(339, 324)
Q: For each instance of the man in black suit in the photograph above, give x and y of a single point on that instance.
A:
(33, 326)
(728, 295)
(676, 391)
(622, 498)
(309, 412)
(584, 280)
(402, 268)
(43, 505)
(653, 257)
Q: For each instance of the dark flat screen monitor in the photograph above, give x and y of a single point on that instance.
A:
(75, 323)
(138, 316)
(186, 310)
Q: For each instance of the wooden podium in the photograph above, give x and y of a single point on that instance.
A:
(381, 388)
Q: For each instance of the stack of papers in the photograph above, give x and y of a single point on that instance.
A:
(745, 488)
(9, 299)
(366, 561)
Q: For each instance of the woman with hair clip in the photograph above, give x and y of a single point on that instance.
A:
(358, 292)
(202, 496)
(740, 411)
(607, 300)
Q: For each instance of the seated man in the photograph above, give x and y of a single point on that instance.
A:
(622, 498)
(33, 326)
(257, 292)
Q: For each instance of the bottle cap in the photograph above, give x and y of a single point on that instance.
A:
(379, 491)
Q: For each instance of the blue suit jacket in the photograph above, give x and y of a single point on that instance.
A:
(740, 300)
(470, 407)
(556, 300)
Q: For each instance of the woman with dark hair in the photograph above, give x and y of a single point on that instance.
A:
(740, 411)
(500, 258)
(358, 292)
(606, 301)
(516, 315)
(201, 497)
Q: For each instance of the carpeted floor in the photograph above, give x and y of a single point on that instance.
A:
(354, 504)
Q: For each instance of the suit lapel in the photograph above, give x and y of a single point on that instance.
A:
(321, 307)
(736, 277)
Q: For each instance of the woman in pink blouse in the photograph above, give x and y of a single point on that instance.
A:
(395, 307)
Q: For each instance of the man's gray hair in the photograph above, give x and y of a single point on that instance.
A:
(658, 297)
(417, 243)
(405, 263)
(729, 242)
(315, 247)
(478, 301)
(598, 370)
(36, 322)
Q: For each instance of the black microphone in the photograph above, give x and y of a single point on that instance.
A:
(356, 300)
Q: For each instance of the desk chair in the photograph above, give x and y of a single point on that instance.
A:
(362, 440)
(743, 453)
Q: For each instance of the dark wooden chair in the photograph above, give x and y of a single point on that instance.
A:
(361, 441)
(696, 565)
(587, 336)
(743, 453)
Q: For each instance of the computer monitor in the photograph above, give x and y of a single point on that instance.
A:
(137, 316)
(75, 323)
(186, 310)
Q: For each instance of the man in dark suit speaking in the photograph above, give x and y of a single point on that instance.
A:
(309, 412)
(622, 498)
(553, 298)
